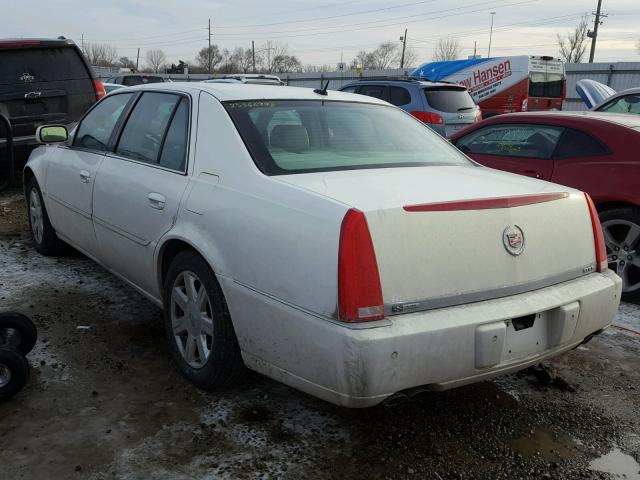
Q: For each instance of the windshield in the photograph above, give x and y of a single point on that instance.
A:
(297, 136)
(543, 84)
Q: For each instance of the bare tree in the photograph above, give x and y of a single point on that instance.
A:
(202, 59)
(272, 50)
(286, 64)
(410, 58)
(126, 62)
(573, 48)
(243, 59)
(318, 68)
(386, 56)
(156, 60)
(447, 49)
(364, 60)
(100, 54)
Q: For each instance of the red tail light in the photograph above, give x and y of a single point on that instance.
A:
(359, 290)
(428, 117)
(479, 115)
(99, 89)
(598, 237)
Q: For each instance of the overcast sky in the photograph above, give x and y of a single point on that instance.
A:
(320, 31)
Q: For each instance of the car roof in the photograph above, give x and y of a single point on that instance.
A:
(405, 83)
(251, 91)
(623, 119)
(621, 93)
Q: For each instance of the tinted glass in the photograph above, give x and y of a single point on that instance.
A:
(626, 104)
(399, 96)
(517, 140)
(545, 85)
(143, 133)
(95, 130)
(349, 89)
(174, 150)
(449, 99)
(329, 135)
(575, 143)
(132, 80)
(377, 91)
(32, 65)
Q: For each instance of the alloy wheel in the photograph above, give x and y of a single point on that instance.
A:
(36, 215)
(622, 238)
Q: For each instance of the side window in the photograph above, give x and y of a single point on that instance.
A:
(351, 89)
(575, 143)
(144, 131)
(174, 150)
(377, 91)
(518, 140)
(95, 130)
(626, 104)
(399, 96)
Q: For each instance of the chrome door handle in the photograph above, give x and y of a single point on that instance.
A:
(85, 176)
(156, 200)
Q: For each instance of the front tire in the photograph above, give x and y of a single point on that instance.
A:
(43, 235)
(18, 331)
(621, 228)
(198, 326)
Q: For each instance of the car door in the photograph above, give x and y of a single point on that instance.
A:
(71, 172)
(584, 162)
(525, 149)
(140, 184)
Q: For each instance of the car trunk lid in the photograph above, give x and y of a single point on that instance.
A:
(451, 235)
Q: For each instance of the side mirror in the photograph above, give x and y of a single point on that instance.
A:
(52, 134)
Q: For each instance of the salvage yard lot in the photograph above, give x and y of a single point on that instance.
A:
(104, 401)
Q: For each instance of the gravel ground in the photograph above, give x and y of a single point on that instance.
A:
(104, 401)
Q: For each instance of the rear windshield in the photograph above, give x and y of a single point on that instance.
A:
(137, 80)
(31, 65)
(297, 136)
(543, 84)
(449, 99)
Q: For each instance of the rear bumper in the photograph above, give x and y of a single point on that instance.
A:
(440, 349)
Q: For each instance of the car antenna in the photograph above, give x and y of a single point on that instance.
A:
(323, 90)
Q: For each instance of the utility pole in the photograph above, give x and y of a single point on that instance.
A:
(491, 34)
(253, 55)
(209, 50)
(475, 49)
(594, 35)
(138, 59)
(82, 41)
(404, 46)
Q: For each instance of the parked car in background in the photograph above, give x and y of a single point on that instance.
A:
(42, 81)
(327, 240)
(626, 101)
(110, 87)
(591, 151)
(253, 78)
(129, 80)
(445, 107)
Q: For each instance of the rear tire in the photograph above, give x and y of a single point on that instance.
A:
(621, 228)
(43, 235)
(198, 326)
(14, 372)
(18, 331)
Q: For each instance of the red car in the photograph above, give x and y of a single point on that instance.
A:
(596, 152)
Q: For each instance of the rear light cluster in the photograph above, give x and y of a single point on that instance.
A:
(479, 115)
(598, 237)
(359, 289)
(99, 89)
(429, 117)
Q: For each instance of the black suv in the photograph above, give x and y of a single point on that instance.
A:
(42, 81)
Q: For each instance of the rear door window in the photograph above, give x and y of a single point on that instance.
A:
(399, 96)
(33, 65)
(576, 143)
(517, 140)
(377, 91)
(351, 89)
(447, 99)
(174, 149)
(95, 129)
(144, 132)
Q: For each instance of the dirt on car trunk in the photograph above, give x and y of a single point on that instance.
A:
(104, 401)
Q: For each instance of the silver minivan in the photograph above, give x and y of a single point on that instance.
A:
(445, 107)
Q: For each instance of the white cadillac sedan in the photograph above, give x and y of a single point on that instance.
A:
(327, 240)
